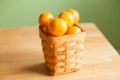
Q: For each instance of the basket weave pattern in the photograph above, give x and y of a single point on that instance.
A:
(63, 54)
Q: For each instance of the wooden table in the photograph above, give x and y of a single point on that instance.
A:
(21, 56)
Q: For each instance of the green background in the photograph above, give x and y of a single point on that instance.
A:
(104, 13)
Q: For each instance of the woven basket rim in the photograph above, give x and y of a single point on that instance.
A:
(82, 28)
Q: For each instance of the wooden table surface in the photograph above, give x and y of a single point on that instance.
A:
(21, 56)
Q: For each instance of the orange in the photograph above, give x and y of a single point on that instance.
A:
(68, 17)
(73, 30)
(45, 18)
(58, 27)
(75, 14)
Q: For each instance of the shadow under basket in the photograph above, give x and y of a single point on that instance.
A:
(62, 54)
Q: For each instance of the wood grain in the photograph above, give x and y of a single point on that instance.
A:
(21, 56)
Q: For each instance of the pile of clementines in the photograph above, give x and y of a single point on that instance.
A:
(66, 23)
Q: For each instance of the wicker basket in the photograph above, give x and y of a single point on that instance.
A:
(62, 54)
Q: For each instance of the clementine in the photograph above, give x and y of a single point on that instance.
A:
(57, 27)
(75, 14)
(45, 18)
(73, 30)
(68, 17)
